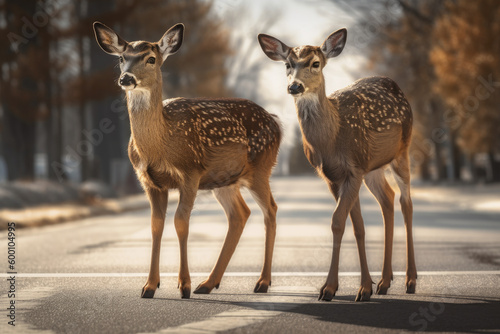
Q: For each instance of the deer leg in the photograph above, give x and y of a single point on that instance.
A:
(261, 192)
(401, 169)
(347, 194)
(158, 201)
(237, 214)
(376, 182)
(187, 196)
(365, 291)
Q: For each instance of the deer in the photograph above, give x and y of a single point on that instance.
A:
(191, 144)
(350, 137)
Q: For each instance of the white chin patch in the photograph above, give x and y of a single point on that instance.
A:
(307, 105)
(304, 94)
(129, 87)
(138, 99)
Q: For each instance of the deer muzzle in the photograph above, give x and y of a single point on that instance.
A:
(127, 81)
(295, 88)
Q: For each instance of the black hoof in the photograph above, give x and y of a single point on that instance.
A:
(410, 288)
(260, 288)
(202, 290)
(381, 290)
(363, 297)
(186, 293)
(147, 293)
(326, 296)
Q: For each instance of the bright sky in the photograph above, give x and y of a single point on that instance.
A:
(296, 23)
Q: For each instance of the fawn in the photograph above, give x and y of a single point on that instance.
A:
(190, 144)
(349, 136)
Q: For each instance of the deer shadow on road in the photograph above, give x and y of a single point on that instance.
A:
(446, 313)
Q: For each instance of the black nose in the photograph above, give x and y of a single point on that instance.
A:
(295, 88)
(127, 80)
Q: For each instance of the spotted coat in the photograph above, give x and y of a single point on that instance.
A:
(372, 110)
(373, 104)
(205, 124)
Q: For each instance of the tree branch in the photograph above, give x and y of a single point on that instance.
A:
(415, 12)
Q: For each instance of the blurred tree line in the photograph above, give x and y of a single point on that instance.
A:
(60, 106)
(445, 57)
(62, 116)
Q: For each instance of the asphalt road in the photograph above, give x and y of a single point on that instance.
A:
(86, 276)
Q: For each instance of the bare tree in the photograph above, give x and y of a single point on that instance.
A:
(245, 65)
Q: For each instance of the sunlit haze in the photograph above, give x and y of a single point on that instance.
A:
(295, 23)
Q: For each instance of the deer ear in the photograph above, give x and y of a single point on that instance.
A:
(273, 47)
(334, 44)
(108, 40)
(171, 40)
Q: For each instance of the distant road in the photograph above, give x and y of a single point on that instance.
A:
(86, 276)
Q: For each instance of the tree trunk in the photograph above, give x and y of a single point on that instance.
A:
(50, 117)
(82, 114)
(453, 162)
(18, 119)
(59, 126)
(18, 138)
(440, 166)
(495, 168)
(457, 161)
(425, 173)
(110, 147)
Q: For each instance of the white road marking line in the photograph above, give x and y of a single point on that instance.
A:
(264, 308)
(248, 274)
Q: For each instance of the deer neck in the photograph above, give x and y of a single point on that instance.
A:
(147, 123)
(318, 117)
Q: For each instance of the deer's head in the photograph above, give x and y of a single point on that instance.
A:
(140, 61)
(304, 64)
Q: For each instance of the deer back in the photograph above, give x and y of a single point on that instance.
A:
(206, 125)
(375, 118)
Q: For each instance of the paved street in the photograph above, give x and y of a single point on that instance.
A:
(86, 276)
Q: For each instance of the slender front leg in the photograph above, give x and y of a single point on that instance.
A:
(181, 222)
(347, 194)
(365, 291)
(237, 214)
(158, 201)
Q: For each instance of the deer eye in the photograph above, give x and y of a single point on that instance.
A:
(316, 64)
(151, 60)
(287, 65)
(120, 59)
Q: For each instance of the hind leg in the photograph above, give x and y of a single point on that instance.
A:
(237, 213)
(365, 290)
(261, 192)
(401, 168)
(377, 184)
